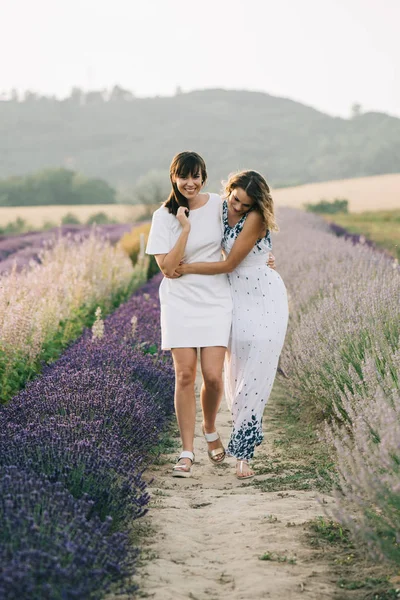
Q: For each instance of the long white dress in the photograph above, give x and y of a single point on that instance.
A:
(260, 316)
(196, 310)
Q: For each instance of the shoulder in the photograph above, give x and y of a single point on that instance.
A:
(162, 214)
(254, 219)
(215, 198)
(215, 201)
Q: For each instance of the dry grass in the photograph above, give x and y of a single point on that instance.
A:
(381, 192)
(37, 216)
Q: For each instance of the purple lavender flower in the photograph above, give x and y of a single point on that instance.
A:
(51, 546)
(23, 248)
(85, 430)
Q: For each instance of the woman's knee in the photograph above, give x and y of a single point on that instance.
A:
(213, 381)
(185, 377)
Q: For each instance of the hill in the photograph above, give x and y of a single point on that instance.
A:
(123, 137)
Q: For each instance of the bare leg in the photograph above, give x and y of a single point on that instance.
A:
(185, 362)
(212, 362)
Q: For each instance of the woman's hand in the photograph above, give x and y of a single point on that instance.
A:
(181, 215)
(271, 261)
(182, 269)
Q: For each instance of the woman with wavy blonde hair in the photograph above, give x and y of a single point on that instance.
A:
(260, 309)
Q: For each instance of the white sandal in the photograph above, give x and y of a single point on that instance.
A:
(241, 463)
(212, 454)
(183, 470)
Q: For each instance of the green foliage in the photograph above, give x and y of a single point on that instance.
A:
(17, 226)
(299, 460)
(100, 218)
(119, 138)
(349, 561)
(70, 219)
(52, 187)
(339, 205)
(331, 531)
(153, 267)
(152, 189)
(273, 556)
(381, 227)
(21, 225)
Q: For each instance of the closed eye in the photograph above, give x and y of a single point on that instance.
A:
(237, 200)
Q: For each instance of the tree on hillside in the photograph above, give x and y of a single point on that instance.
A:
(93, 191)
(119, 94)
(54, 186)
(152, 188)
(76, 96)
(356, 110)
(121, 138)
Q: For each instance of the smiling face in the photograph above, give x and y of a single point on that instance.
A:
(189, 184)
(239, 202)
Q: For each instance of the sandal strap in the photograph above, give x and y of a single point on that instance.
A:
(187, 454)
(216, 451)
(211, 437)
(184, 468)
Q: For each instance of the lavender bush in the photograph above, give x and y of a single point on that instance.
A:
(367, 453)
(344, 300)
(19, 251)
(45, 307)
(50, 548)
(89, 423)
(342, 357)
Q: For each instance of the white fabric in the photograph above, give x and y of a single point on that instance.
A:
(259, 322)
(196, 310)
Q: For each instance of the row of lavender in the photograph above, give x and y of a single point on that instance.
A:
(342, 356)
(24, 248)
(46, 306)
(73, 447)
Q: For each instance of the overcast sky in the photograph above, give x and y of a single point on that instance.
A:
(325, 53)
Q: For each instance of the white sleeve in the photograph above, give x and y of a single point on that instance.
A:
(159, 241)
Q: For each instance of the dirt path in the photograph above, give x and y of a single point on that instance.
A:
(211, 530)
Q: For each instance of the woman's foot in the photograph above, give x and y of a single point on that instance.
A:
(183, 467)
(216, 451)
(243, 470)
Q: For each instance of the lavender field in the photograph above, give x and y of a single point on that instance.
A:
(19, 251)
(76, 440)
(342, 357)
(73, 446)
(45, 305)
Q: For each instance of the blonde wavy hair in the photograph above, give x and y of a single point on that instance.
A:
(258, 190)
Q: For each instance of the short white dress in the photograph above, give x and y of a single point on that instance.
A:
(196, 310)
(260, 316)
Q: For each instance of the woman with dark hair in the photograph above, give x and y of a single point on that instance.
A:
(196, 311)
(260, 309)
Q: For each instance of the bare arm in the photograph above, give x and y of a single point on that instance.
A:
(169, 262)
(244, 243)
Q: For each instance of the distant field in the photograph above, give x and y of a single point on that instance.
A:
(381, 192)
(38, 215)
(382, 227)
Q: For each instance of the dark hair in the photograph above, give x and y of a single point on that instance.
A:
(258, 190)
(183, 164)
